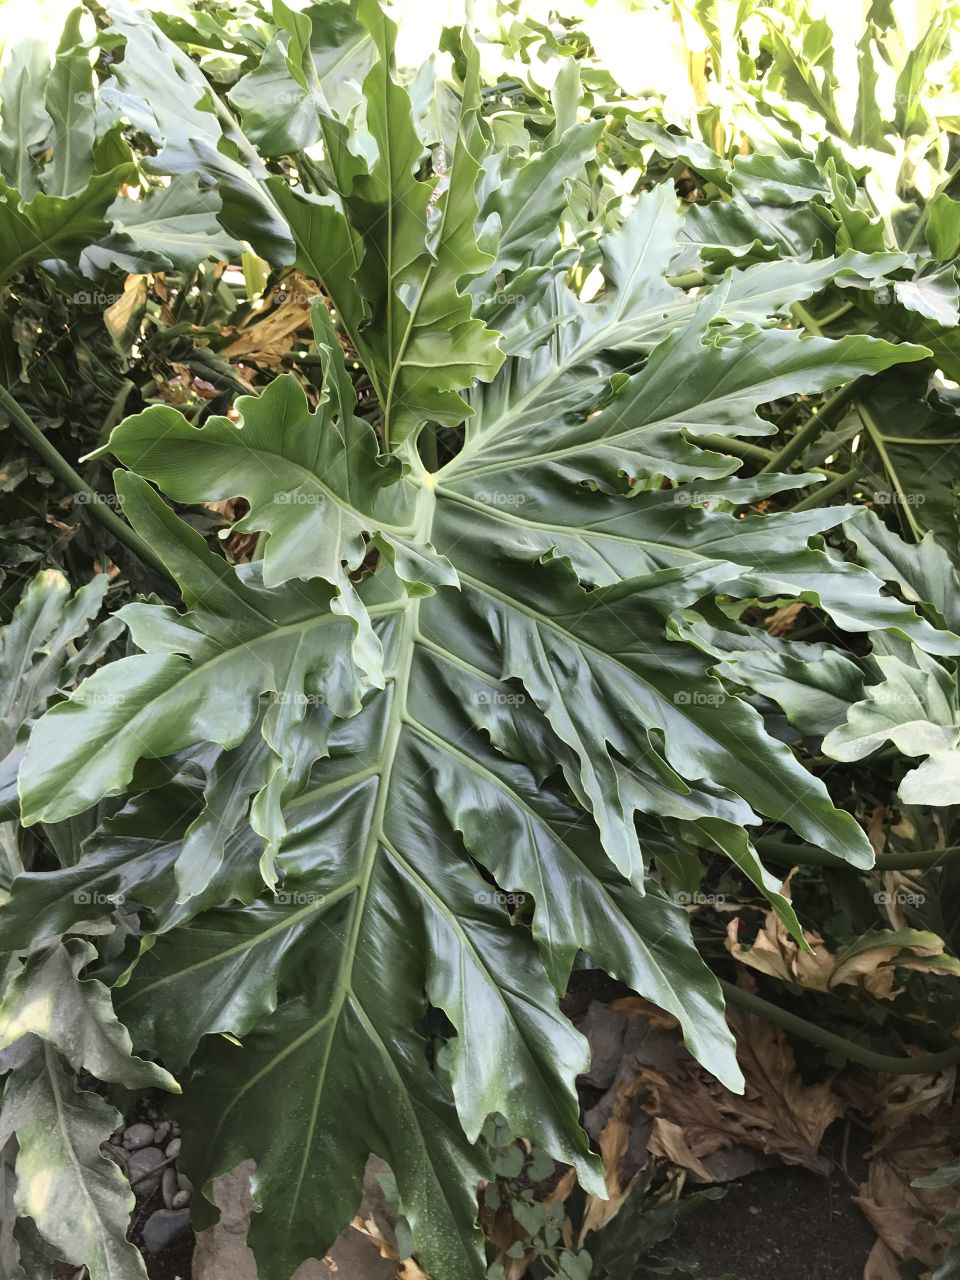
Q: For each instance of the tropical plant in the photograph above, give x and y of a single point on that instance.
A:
(482, 676)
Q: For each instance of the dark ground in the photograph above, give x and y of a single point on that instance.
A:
(779, 1224)
(173, 1263)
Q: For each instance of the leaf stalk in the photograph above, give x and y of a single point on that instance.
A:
(108, 518)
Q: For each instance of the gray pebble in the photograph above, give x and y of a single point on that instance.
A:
(184, 1182)
(161, 1133)
(172, 1148)
(137, 1136)
(143, 1170)
(169, 1186)
(181, 1199)
(163, 1227)
(175, 1128)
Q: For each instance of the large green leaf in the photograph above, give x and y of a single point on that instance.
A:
(923, 572)
(403, 245)
(307, 81)
(368, 857)
(70, 103)
(172, 696)
(589, 342)
(814, 684)
(24, 123)
(47, 998)
(35, 661)
(518, 200)
(916, 708)
(429, 347)
(158, 89)
(313, 481)
(51, 227)
(170, 227)
(79, 1200)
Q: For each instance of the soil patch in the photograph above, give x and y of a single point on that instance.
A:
(780, 1224)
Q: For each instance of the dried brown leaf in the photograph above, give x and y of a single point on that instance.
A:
(267, 338)
(121, 316)
(870, 963)
(785, 619)
(669, 1141)
(775, 953)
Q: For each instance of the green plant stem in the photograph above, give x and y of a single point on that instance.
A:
(926, 1062)
(687, 280)
(811, 428)
(803, 316)
(118, 528)
(428, 443)
(876, 438)
(806, 855)
(823, 492)
(744, 449)
(835, 315)
(503, 86)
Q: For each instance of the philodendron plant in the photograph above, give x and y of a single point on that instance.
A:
(368, 798)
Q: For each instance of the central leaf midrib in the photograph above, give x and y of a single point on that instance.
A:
(135, 995)
(50, 1067)
(344, 984)
(344, 989)
(639, 324)
(570, 531)
(369, 519)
